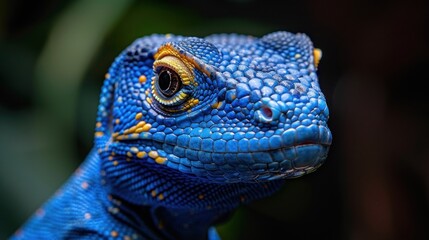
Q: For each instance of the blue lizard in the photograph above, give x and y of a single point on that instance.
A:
(188, 129)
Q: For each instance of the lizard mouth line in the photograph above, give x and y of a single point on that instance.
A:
(286, 147)
(252, 151)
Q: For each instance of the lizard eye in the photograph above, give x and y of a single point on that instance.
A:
(168, 82)
(171, 86)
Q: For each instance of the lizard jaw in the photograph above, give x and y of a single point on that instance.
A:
(294, 153)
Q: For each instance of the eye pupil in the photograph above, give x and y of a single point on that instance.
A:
(164, 80)
(169, 82)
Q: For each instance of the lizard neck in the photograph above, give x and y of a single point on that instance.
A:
(187, 223)
(159, 222)
(166, 202)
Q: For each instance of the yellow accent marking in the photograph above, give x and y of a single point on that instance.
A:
(160, 160)
(139, 115)
(114, 233)
(161, 196)
(141, 154)
(99, 134)
(147, 127)
(115, 163)
(191, 103)
(110, 158)
(131, 129)
(153, 154)
(142, 79)
(217, 105)
(139, 130)
(119, 100)
(98, 124)
(149, 100)
(114, 135)
(106, 75)
(117, 121)
(126, 237)
(84, 185)
(297, 55)
(134, 149)
(120, 137)
(317, 54)
(153, 193)
(87, 216)
(201, 196)
(141, 124)
(129, 154)
(182, 95)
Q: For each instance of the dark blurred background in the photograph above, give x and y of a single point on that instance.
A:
(375, 183)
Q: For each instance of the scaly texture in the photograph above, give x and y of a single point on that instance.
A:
(187, 130)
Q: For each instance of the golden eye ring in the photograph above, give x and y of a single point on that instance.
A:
(171, 84)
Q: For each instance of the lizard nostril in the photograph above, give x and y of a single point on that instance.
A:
(267, 112)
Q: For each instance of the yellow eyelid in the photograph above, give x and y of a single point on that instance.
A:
(176, 65)
(191, 62)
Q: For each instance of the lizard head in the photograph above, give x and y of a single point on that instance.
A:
(226, 108)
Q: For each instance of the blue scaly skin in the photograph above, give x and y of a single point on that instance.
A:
(187, 130)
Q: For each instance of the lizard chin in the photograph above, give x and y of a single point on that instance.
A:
(309, 157)
(282, 163)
